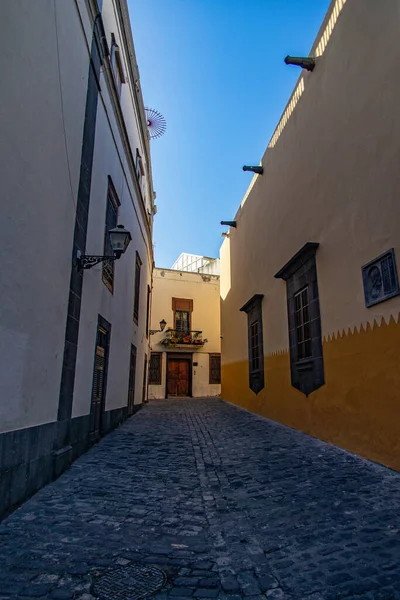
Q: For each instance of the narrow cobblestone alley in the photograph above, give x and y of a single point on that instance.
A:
(229, 505)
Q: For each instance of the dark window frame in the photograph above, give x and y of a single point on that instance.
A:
(116, 65)
(136, 300)
(100, 377)
(158, 369)
(132, 379)
(300, 273)
(108, 267)
(212, 379)
(180, 322)
(303, 323)
(177, 304)
(139, 168)
(145, 369)
(253, 309)
(148, 311)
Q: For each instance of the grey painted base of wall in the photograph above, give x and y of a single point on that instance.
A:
(32, 457)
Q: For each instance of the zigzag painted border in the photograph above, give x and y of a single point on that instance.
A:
(362, 328)
(366, 327)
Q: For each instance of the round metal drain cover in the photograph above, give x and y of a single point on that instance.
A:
(132, 582)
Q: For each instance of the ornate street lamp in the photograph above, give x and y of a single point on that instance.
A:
(119, 238)
(162, 327)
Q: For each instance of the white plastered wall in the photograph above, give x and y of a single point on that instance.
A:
(42, 100)
(117, 307)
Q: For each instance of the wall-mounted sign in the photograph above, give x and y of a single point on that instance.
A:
(380, 279)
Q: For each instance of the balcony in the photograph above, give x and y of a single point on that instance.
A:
(177, 339)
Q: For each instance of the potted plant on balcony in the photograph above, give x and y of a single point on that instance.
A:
(197, 341)
(169, 340)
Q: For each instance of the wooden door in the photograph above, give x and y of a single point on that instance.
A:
(98, 387)
(178, 377)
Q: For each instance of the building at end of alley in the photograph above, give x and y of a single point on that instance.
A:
(309, 285)
(185, 355)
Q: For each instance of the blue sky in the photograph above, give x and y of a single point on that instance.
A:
(215, 70)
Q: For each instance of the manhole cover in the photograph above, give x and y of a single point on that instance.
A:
(129, 583)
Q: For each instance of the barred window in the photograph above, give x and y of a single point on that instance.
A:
(155, 369)
(215, 368)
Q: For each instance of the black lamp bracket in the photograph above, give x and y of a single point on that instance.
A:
(87, 261)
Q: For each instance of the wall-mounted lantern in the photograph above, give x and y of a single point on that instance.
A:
(119, 238)
(305, 62)
(229, 223)
(258, 170)
(162, 327)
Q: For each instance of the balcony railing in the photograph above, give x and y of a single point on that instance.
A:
(174, 337)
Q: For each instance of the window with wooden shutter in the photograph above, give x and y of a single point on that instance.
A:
(304, 319)
(99, 383)
(183, 308)
(139, 167)
(302, 323)
(144, 379)
(255, 342)
(155, 368)
(116, 64)
(148, 310)
(98, 375)
(132, 380)
(215, 368)
(108, 267)
(138, 266)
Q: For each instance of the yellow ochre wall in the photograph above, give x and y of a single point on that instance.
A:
(357, 409)
(331, 176)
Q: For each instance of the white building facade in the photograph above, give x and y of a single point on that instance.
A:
(75, 162)
(196, 264)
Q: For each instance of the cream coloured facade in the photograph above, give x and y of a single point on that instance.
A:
(75, 161)
(185, 357)
(318, 336)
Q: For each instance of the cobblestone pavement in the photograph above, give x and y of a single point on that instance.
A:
(228, 504)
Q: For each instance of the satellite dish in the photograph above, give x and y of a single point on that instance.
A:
(156, 124)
